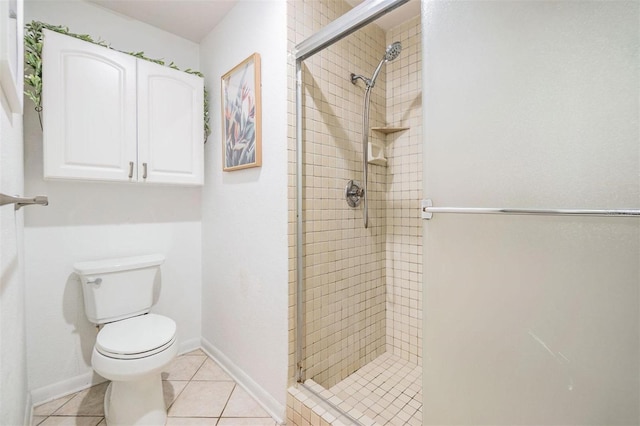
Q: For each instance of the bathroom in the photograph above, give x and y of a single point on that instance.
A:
(243, 312)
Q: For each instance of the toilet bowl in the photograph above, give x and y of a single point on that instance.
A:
(133, 346)
(132, 353)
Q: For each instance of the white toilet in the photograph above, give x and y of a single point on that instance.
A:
(133, 345)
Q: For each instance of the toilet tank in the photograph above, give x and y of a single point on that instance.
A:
(119, 288)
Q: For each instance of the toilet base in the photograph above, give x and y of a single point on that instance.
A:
(137, 402)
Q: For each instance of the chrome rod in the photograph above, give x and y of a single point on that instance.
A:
(20, 202)
(299, 228)
(341, 27)
(365, 155)
(428, 210)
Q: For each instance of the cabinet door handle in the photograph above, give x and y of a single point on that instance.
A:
(144, 170)
(130, 169)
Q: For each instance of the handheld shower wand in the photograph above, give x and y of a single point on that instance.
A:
(392, 52)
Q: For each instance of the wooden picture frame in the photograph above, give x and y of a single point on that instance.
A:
(242, 116)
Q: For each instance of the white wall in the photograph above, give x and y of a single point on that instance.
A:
(120, 31)
(98, 220)
(13, 365)
(244, 295)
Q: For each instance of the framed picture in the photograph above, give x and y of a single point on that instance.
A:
(241, 116)
(11, 53)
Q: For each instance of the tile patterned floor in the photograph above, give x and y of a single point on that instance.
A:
(388, 390)
(197, 392)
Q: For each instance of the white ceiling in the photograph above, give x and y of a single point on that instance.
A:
(190, 19)
(194, 19)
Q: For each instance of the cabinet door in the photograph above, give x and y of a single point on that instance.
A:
(89, 110)
(170, 125)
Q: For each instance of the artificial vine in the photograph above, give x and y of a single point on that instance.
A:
(33, 61)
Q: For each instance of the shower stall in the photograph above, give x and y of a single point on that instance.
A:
(528, 107)
(360, 117)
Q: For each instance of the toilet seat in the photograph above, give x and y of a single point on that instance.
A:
(137, 337)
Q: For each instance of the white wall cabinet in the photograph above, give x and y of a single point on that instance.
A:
(112, 117)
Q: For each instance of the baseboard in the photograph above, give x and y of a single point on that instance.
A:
(63, 388)
(269, 403)
(28, 410)
(188, 346)
(83, 381)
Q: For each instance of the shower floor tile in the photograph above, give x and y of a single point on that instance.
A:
(388, 389)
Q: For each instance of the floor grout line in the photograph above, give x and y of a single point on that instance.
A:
(227, 403)
(100, 419)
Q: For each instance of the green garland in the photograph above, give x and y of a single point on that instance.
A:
(33, 61)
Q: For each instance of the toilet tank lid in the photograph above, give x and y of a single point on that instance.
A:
(118, 264)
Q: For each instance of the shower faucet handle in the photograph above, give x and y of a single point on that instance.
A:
(353, 193)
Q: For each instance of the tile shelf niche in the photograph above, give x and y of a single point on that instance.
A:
(388, 129)
(376, 151)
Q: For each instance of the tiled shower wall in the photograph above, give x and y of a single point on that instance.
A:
(345, 265)
(404, 192)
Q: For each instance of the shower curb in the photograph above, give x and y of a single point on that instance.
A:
(310, 404)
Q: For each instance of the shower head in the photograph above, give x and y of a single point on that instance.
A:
(393, 51)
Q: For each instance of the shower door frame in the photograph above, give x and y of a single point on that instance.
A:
(356, 18)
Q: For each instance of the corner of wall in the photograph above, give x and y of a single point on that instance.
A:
(272, 406)
(13, 364)
(244, 253)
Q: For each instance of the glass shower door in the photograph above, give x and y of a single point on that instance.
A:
(531, 319)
